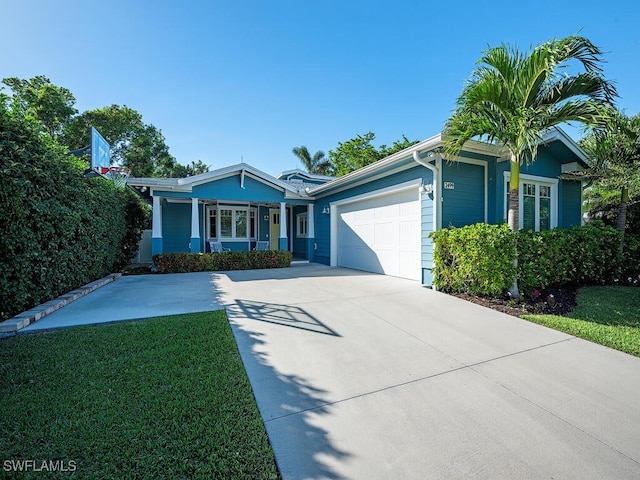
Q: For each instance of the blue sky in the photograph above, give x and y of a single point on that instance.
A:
(236, 79)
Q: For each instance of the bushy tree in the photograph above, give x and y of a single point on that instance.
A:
(134, 144)
(359, 152)
(53, 106)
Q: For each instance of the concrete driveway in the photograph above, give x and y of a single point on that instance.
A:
(364, 376)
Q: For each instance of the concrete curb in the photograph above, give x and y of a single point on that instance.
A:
(24, 319)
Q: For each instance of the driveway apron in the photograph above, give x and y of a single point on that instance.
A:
(361, 376)
(134, 297)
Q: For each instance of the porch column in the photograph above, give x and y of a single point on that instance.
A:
(282, 239)
(156, 226)
(311, 233)
(195, 226)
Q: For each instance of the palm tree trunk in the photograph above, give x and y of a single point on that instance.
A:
(622, 210)
(514, 217)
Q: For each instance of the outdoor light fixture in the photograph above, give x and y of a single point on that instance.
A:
(428, 188)
(326, 210)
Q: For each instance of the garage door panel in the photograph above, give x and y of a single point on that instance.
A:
(381, 234)
(406, 232)
(384, 233)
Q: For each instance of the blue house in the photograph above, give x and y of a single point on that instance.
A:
(377, 218)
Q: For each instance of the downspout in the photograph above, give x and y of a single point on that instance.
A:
(436, 190)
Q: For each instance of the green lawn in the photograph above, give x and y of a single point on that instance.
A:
(609, 316)
(160, 398)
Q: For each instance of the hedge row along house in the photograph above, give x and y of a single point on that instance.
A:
(377, 218)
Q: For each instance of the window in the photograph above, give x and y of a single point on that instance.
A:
(213, 224)
(538, 202)
(231, 223)
(301, 225)
(226, 225)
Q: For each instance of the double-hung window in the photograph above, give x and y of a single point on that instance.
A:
(232, 223)
(538, 202)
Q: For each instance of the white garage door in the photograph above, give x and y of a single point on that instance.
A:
(381, 234)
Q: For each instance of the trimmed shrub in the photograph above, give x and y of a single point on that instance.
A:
(211, 262)
(596, 254)
(476, 259)
(543, 259)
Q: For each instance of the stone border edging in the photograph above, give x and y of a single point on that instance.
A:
(25, 319)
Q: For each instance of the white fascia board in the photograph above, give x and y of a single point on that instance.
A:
(429, 143)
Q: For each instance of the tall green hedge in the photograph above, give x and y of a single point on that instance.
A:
(58, 230)
(478, 259)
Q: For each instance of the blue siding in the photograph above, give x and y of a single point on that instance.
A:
(464, 204)
(427, 244)
(229, 189)
(570, 213)
(176, 227)
(322, 228)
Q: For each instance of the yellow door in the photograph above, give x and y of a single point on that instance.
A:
(274, 229)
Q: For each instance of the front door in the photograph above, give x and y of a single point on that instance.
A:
(274, 229)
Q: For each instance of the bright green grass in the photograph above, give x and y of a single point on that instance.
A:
(609, 316)
(160, 398)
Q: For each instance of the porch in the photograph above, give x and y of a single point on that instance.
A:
(188, 225)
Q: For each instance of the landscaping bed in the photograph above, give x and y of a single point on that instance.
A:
(551, 301)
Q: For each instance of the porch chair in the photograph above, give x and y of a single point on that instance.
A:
(262, 246)
(216, 247)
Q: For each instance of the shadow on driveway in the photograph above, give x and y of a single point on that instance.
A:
(285, 315)
(287, 396)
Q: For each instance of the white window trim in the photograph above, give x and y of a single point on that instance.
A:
(299, 222)
(233, 209)
(538, 181)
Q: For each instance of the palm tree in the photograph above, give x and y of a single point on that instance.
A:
(513, 98)
(316, 164)
(614, 152)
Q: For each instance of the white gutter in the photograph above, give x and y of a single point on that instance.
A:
(436, 191)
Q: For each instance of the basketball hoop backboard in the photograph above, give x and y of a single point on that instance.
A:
(100, 152)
